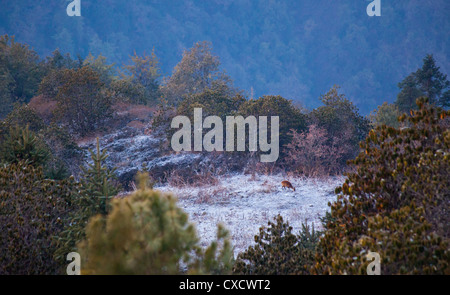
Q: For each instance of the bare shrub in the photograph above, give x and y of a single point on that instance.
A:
(314, 153)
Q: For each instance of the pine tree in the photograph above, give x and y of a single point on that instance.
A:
(406, 99)
(97, 190)
(147, 233)
(430, 79)
(427, 81)
(21, 144)
(395, 202)
(278, 251)
(97, 182)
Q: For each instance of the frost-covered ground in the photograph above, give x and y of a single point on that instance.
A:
(243, 204)
(240, 202)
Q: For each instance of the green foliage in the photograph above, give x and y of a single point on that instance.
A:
(406, 99)
(97, 181)
(51, 83)
(396, 202)
(145, 73)
(32, 212)
(49, 146)
(23, 115)
(125, 90)
(269, 105)
(427, 81)
(57, 61)
(386, 114)
(20, 73)
(147, 233)
(57, 170)
(444, 101)
(407, 247)
(21, 144)
(82, 102)
(219, 100)
(278, 251)
(197, 70)
(96, 191)
(340, 118)
(431, 81)
(105, 72)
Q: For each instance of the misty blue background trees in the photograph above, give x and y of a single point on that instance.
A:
(296, 49)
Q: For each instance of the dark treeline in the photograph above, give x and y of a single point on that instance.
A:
(296, 49)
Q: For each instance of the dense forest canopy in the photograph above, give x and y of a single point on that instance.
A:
(296, 49)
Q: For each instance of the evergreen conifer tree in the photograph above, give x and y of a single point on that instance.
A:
(148, 234)
(21, 144)
(97, 189)
(98, 182)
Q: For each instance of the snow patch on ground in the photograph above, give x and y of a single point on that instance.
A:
(243, 204)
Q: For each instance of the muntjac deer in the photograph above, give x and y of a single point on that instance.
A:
(287, 184)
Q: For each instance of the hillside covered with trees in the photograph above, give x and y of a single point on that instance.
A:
(296, 49)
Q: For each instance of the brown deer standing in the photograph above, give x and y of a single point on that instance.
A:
(287, 184)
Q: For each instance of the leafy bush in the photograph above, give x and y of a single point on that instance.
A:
(219, 100)
(279, 251)
(32, 213)
(147, 233)
(269, 105)
(142, 85)
(105, 72)
(385, 114)
(124, 90)
(20, 72)
(198, 70)
(396, 202)
(24, 115)
(82, 101)
(340, 118)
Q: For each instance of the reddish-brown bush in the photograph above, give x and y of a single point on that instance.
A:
(314, 153)
(44, 107)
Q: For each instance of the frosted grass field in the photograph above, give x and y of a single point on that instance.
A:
(243, 204)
